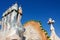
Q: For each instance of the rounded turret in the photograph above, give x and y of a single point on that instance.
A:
(20, 10)
(51, 21)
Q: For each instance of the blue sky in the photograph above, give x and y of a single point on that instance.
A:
(40, 10)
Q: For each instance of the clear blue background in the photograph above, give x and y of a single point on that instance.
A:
(40, 10)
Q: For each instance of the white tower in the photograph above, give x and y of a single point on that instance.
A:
(12, 28)
(19, 16)
(53, 34)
